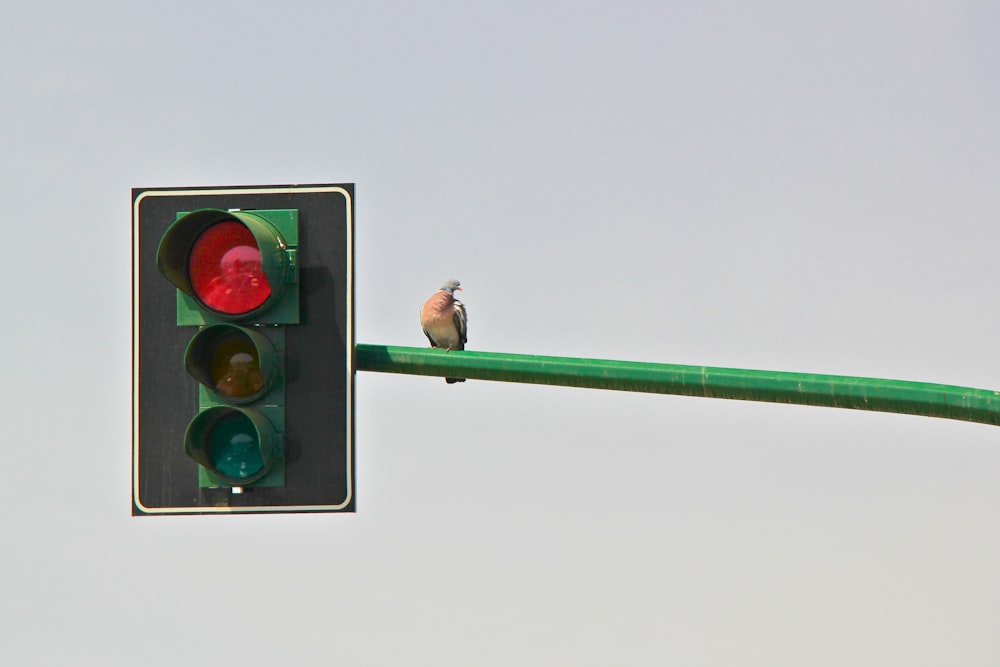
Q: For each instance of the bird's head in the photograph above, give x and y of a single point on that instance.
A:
(451, 286)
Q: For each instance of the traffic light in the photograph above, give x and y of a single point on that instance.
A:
(243, 349)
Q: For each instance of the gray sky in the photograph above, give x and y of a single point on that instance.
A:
(780, 185)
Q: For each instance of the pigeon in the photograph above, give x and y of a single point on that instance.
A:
(444, 321)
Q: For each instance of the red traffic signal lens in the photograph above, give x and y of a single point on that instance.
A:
(225, 269)
(232, 265)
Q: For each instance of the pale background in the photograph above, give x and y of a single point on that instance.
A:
(799, 186)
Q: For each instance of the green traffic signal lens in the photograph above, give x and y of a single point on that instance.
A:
(235, 445)
(233, 448)
(238, 364)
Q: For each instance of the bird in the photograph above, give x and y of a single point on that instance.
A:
(444, 320)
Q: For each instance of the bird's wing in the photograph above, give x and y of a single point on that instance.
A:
(461, 323)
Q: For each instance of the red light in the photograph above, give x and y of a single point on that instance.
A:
(225, 269)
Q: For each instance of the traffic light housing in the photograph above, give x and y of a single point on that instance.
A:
(243, 349)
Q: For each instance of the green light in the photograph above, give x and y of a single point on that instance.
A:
(233, 449)
(237, 446)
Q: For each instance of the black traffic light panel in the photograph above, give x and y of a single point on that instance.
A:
(243, 337)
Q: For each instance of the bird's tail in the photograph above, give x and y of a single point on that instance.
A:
(454, 380)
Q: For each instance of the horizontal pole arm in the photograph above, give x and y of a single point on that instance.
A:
(834, 391)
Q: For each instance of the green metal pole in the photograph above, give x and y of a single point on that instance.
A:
(834, 391)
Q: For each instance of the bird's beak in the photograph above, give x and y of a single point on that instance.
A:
(459, 289)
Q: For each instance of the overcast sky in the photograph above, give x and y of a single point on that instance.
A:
(779, 185)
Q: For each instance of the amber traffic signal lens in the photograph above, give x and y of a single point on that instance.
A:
(235, 366)
(239, 364)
